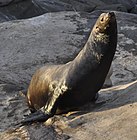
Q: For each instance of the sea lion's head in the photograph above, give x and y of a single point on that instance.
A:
(105, 29)
(105, 23)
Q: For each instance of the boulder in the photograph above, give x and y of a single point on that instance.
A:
(22, 9)
(7, 2)
(111, 118)
(129, 4)
(56, 38)
(113, 7)
(31, 8)
(32, 43)
(134, 10)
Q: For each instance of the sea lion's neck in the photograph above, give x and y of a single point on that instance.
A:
(92, 53)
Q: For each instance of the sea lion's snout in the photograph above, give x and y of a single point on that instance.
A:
(104, 21)
(111, 14)
(105, 18)
(109, 17)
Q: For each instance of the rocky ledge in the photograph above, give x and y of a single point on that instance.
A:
(20, 9)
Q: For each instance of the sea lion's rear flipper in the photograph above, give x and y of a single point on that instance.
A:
(46, 111)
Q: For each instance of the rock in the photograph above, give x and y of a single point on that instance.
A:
(29, 44)
(111, 120)
(62, 5)
(4, 18)
(56, 38)
(126, 55)
(31, 47)
(31, 8)
(23, 9)
(129, 4)
(114, 7)
(7, 2)
(134, 10)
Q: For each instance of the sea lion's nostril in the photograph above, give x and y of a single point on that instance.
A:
(111, 13)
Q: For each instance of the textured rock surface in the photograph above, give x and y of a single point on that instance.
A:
(22, 9)
(56, 38)
(129, 4)
(115, 119)
(7, 2)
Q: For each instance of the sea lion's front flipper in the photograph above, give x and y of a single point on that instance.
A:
(38, 116)
(46, 111)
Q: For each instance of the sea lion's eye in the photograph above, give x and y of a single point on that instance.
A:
(101, 19)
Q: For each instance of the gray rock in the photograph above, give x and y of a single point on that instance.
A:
(134, 10)
(114, 7)
(4, 18)
(111, 120)
(22, 9)
(7, 2)
(31, 47)
(129, 4)
(31, 8)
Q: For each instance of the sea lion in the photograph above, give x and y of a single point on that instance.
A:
(77, 82)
